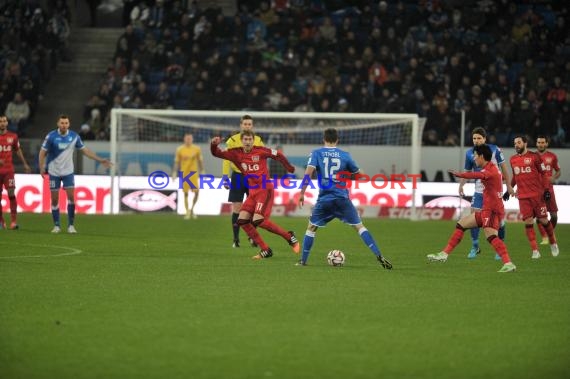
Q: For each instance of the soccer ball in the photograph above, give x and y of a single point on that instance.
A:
(335, 258)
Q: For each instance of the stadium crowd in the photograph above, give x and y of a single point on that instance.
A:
(505, 63)
(33, 39)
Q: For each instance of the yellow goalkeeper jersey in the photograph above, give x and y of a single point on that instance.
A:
(187, 157)
(233, 142)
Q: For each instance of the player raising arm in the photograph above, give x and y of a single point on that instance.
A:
(9, 144)
(56, 160)
(479, 137)
(333, 201)
(552, 171)
(256, 210)
(489, 216)
(533, 189)
(238, 187)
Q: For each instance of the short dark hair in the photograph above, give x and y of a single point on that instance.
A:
(63, 116)
(331, 135)
(485, 151)
(544, 137)
(524, 139)
(479, 130)
(246, 117)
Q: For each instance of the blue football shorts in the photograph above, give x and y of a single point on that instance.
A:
(55, 182)
(327, 210)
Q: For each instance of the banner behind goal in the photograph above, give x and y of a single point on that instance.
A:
(137, 134)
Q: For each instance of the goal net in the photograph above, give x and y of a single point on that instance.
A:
(144, 140)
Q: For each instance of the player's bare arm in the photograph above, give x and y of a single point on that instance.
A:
(27, 168)
(42, 161)
(507, 178)
(201, 164)
(461, 185)
(555, 175)
(90, 154)
(308, 174)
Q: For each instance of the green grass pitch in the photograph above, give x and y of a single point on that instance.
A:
(154, 296)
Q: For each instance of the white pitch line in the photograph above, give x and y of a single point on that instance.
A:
(72, 252)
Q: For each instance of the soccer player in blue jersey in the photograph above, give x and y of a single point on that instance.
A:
(479, 136)
(56, 159)
(333, 201)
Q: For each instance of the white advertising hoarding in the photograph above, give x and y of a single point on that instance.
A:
(142, 158)
(93, 196)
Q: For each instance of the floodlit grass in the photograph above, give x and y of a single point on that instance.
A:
(154, 296)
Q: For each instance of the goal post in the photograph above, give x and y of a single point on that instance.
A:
(383, 143)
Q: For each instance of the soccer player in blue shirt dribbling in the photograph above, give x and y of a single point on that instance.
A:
(333, 201)
(479, 136)
(58, 148)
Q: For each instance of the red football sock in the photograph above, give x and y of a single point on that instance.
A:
(254, 235)
(13, 208)
(500, 248)
(454, 240)
(272, 227)
(550, 232)
(541, 230)
(531, 235)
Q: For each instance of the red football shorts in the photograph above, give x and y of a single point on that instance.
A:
(260, 202)
(487, 218)
(7, 180)
(532, 207)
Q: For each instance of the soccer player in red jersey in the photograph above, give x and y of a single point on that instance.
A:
(552, 171)
(533, 189)
(256, 210)
(489, 217)
(9, 143)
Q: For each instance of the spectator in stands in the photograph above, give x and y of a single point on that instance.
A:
(156, 14)
(201, 97)
(105, 94)
(95, 121)
(162, 98)
(31, 93)
(18, 113)
(556, 93)
(135, 74)
(493, 111)
(494, 48)
(140, 16)
(62, 30)
(145, 96)
(86, 133)
(95, 102)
